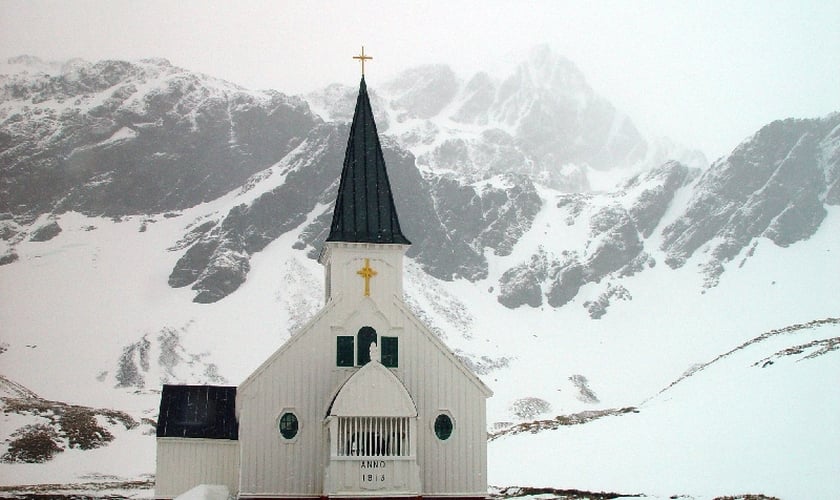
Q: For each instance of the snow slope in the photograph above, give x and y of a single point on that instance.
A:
(73, 305)
(738, 426)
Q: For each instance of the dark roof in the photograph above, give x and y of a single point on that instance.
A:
(198, 411)
(364, 208)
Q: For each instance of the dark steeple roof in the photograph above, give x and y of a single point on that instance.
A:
(364, 208)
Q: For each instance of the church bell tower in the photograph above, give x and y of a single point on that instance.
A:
(373, 419)
(365, 238)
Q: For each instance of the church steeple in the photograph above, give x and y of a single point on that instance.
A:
(364, 208)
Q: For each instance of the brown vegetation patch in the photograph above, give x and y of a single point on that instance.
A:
(558, 494)
(560, 420)
(33, 444)
(67, 425)
(747, 497)
(100, 490)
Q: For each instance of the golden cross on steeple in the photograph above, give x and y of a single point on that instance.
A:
(362, 57)
(367, 273)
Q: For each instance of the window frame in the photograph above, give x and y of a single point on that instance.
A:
(342, 360)
(389, 351)
(434, 424)
(279, 422)
(363, 348)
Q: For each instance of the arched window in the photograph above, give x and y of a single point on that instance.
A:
(364, 339)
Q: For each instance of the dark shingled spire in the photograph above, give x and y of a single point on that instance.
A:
(364, 209)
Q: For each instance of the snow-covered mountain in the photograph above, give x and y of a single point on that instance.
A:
(119, 138)
(538, 118)
(160, 225)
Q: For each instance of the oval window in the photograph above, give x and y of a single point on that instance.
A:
(443, 427)
(288, 425)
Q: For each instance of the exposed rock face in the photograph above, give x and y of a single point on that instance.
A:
(216, 261)
(520, 285)
(618, 239)
(160, 358)
(597, 308)
(774, 185)
(120, 138)
(494, 214)
(619, 223)
(541, 119)
(46, 232)
(658, 187)
(422, 92)
(566, 280)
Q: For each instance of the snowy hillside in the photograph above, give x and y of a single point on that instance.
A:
(104, 291)
(564, 303)
(750, 422)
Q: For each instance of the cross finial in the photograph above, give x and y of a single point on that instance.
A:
(367, 273)
(362, 58)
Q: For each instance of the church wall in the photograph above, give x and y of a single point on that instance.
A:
(459, 464)
(303, 377)
(183, 463)
(298, 382)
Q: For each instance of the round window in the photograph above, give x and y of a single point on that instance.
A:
(443, 427)
(288, 425)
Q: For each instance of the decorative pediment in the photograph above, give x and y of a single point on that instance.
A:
(373, 391)
(366, 313)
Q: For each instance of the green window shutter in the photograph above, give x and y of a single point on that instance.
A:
(344, 351)
(390, 351)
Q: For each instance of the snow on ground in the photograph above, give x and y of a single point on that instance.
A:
(734, 428)
(130, 456)
(71, 305)
(205, 492)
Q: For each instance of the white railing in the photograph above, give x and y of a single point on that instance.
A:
(373, 437)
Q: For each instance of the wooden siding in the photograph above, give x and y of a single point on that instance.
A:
(302, 377)
(184, 463)
(436, 381)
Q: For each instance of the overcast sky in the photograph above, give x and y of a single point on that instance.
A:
(707, 74)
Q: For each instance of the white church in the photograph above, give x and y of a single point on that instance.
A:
(363, 402)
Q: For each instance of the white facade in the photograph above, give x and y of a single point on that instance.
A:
(302, 378)
(183, 463)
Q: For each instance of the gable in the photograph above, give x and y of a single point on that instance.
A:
(306, 329)
(444, 349)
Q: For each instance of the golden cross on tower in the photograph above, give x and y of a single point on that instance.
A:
(362, 57)
(367, 273)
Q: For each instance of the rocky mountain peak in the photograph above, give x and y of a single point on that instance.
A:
(423, 91)
(545, 69)
(116, 137)
(120, 138)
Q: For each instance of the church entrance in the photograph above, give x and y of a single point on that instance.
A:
(372, 436)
